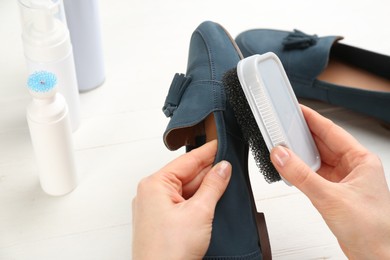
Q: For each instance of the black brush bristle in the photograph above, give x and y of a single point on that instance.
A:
(249, 128)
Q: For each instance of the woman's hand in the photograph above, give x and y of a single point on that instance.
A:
(349, 190)
(174, 208)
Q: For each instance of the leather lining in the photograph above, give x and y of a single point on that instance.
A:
(342, 73)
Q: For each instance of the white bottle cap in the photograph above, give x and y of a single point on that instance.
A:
(44, 31)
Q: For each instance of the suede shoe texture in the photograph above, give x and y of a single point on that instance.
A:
(305, 57)
(191, 99)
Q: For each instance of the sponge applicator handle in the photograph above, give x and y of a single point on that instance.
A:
(268, 112)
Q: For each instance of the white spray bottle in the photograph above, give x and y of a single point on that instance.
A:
(51, 135)
(83, 21)
(47, 47)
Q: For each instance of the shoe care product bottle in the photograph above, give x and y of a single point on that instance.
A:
(51, 135)
(47, 47)
(83, 21)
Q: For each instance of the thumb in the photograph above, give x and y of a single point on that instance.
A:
(214, 184)
(298, 173)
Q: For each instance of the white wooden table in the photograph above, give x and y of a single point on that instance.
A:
(120, 137)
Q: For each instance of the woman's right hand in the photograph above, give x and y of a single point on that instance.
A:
(349, 190)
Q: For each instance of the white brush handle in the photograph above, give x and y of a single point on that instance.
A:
(51, 137)
(275, 107)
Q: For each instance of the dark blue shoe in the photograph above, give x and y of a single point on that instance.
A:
(199, 112)
(322, 68)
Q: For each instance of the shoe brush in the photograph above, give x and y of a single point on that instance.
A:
(268, 112)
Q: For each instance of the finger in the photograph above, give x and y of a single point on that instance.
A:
(186, 167)
(329, 133)
(192, 186)
(213, 185)
(295, 171)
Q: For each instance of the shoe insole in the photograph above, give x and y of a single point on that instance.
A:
(341, 73)
(210, 128)
(189, 135)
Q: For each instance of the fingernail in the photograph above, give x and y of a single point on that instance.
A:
(281, 155)
(223, 169)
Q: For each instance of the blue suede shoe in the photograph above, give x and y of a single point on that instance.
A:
(199, 112)
(322, 68)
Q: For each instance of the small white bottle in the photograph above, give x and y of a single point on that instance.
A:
(47, 47)
(51, 135)
(83, 21)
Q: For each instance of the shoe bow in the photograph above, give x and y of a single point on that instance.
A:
(299, 40)
(176, 90)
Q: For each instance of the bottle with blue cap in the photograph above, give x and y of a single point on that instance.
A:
(51, 134)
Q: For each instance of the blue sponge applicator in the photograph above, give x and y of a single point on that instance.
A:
(42, 84)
